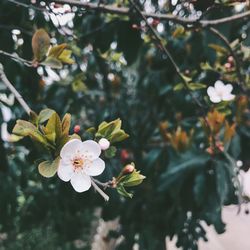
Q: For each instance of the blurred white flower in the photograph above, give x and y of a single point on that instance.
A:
(104, 144)
(79, 161)
(220, 92)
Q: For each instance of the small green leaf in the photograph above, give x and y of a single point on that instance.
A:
(179, 86)
(122, 191)
(54, 125)
(218, 48)
(53, 63)
(57, 50)
(79, 86)
(66, 121)
(110, 153)
(24, 128)
(44, 115)
(65, 57)
(118, 136)
(48, 169)
(196, 86)
(133, 179)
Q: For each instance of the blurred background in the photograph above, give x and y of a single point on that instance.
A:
(119, 72)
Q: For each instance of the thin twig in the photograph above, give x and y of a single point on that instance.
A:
(105, 196)
(233, 54)
(167, 17)
(166, 52)
(14, 91)
(17, 58)
(103, 184)
(32, 6)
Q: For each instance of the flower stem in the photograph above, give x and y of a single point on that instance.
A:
(105, 196)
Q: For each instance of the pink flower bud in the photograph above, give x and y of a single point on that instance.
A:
(77, 129)
(104, 144)
(128, 169)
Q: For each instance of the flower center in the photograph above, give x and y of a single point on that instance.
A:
(78, 163)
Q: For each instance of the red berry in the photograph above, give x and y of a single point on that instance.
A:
(155, 22)
(77, 129)
(135, 26)
(124, 155)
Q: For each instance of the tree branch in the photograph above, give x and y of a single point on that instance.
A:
(14, 91)
(167, 17)
(17, 58)
(166, 52)
(233, 54)
(105, 196)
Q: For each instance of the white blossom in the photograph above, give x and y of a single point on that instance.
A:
(220, 92)
(79, 161)
(104, 144)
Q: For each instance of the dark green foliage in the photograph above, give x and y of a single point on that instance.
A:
(181, 189)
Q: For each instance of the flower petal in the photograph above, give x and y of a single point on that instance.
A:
(215, 98)
(95, 168)
(91, 149)
(228, 88)
(71, 148)
(80, 182)
(65, 171)
(211, 91)
(219, 86)
(228, 97)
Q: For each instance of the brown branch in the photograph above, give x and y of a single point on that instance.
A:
(233, 54)
(166, 52)
(14, 91)
(16, 58)
(164, 17)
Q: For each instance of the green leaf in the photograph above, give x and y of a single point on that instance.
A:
(180, 168)
(110, 152)
(79, 86)
(57, 50)
(199, 188)
(133, 179)
(118, 136)
(65, 57)
(179, 86)
(222, 180)
(122, 191)
(54, 126)
(66, 121)
(112, 131)
(44, 115)
(196, 86)
(25, 128)
(48, 169)
(218, 48)
(53, 63)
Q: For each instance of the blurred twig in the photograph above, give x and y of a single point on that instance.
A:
(14, 91)
(166, 52)
(16, 58)
(233, 54)
(167, 17)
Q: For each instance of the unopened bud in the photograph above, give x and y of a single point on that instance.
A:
(230, 59)
(228, 65)
(77, 129)
(104, 144)
(128, 169)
